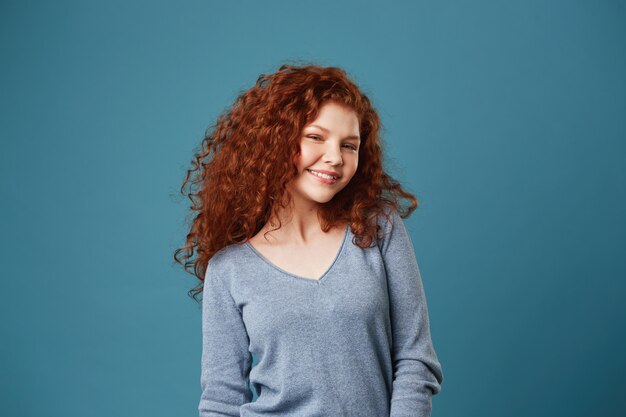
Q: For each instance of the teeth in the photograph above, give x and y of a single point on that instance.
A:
(319, 174)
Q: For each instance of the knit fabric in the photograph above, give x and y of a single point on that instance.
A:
(355, 343)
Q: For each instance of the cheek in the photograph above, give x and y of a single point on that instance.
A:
(353, 170)
(306, 158)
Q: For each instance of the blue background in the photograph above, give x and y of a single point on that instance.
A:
(506, 119)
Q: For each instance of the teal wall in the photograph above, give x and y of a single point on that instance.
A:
(506, 119)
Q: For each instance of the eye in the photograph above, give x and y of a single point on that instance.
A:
(319, 138)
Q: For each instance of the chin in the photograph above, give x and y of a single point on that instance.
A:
(320, 199)
(325, 200)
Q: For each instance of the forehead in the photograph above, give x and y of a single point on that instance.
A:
(336, 117)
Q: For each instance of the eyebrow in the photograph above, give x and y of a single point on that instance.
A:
(327, 131)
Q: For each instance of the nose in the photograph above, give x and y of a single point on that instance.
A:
(333, 156)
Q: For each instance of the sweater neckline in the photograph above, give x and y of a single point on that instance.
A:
(310, 280)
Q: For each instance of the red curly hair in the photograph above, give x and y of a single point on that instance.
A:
(239, 176)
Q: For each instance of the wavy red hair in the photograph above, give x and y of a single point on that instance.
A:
(239, 175)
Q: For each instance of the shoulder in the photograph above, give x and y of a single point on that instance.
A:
(389, 217)
(390, 224)
(225, 261)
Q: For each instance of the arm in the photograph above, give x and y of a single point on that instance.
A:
(417, 371)
(226, 361)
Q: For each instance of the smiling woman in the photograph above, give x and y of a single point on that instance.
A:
(330, 157)
(303, 258)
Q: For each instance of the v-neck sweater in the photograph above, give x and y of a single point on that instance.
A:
(354, 343)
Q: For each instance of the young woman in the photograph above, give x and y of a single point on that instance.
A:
(304, 260)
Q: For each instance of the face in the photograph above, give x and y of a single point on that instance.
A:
(329, 144)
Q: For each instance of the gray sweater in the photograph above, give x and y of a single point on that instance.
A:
(355, 343)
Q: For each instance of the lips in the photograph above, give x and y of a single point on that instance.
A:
(333, 174)
(322, 180)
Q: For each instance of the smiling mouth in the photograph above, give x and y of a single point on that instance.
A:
(322, 175)
(325, 180)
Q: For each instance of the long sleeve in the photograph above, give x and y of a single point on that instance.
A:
(417, 374)
(226, 361)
